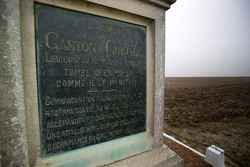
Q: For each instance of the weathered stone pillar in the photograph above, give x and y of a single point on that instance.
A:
(13, 147)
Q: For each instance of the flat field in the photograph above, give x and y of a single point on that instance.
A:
(205, 111)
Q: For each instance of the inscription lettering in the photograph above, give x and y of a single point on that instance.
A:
(113, 50)
(56, 42)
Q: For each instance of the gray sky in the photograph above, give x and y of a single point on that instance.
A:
(208, 38)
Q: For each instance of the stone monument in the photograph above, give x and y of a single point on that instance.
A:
(82, 83)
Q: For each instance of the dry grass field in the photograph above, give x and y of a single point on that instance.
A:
(205, 111)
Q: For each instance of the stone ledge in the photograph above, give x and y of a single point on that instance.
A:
(162, 3)
(159, 157)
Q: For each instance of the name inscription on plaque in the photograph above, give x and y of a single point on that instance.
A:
(91, 73)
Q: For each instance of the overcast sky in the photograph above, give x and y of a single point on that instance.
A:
(208, 38)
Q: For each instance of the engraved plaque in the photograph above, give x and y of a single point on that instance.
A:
(91, 73)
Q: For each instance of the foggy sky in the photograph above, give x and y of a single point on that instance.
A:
(208, 38)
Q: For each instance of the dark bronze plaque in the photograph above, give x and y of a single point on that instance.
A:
(91, 73)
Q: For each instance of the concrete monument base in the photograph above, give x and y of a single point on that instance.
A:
(158, 157)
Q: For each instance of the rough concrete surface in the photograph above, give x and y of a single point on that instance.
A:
(13, 150)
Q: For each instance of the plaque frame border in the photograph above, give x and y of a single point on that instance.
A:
(126, 146)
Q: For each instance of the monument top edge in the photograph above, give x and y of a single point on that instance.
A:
(162, 3)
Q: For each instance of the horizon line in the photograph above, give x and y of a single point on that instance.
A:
(215, 76)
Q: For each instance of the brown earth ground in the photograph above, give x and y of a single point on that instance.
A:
(210, 111)
(190, 158)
